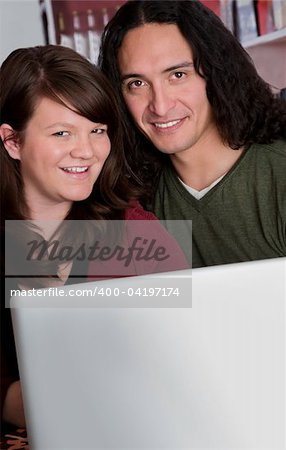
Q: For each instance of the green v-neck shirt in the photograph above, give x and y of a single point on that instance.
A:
(241, 218)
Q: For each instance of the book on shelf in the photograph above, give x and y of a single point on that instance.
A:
(279, 13)
(227, 13)
(265, 20)
(64, 39)
(93, 37)
(79, 34)
(214, 5)
(245, 20)
(248, 19)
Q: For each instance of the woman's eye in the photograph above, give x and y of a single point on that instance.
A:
(99, 130)
(61, 133)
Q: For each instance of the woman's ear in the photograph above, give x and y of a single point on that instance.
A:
(10, 141)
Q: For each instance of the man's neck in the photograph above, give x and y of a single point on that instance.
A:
(202, 164)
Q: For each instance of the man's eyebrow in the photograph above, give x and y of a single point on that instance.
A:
(131, 75)
(181, 65)
(185, 64)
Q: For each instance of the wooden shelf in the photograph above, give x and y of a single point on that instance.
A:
(268, 54)
(271, 38)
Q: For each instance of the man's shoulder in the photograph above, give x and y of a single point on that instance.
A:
(168, 176)
(275, 150)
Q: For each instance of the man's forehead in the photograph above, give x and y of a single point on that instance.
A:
(153, 47)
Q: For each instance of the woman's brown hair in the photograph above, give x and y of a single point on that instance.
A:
(62, 75)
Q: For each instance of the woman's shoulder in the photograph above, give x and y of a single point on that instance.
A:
(136, 212)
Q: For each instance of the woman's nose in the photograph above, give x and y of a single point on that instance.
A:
(83, 149)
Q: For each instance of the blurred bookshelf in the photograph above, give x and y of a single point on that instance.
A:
(260, 25)
(275, 37)
(77, 24)
(268, 53)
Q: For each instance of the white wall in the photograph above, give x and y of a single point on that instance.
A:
(20, 25)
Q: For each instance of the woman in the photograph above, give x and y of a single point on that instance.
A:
(62, 158)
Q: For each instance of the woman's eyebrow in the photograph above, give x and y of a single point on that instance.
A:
(59, 124)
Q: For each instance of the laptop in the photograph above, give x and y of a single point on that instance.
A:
(199, 363)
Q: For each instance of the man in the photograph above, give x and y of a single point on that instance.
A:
(193, 93)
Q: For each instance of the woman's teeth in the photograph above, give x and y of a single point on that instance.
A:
(75, 169)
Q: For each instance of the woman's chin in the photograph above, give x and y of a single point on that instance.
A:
(80, 196)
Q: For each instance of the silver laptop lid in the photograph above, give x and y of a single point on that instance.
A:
(129, 375)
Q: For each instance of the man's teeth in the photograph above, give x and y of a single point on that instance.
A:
(75, 169)
(167, 124)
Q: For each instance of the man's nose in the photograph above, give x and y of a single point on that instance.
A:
(83, 148)
(161, 100)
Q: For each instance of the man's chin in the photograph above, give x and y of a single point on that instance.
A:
(166, 149)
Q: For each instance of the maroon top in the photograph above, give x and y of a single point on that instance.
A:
(141, 225)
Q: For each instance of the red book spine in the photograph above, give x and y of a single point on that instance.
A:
(264, 16)
(214, 5)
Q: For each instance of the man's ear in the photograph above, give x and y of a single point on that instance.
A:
(10, 141)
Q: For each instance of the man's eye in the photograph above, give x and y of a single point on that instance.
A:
(179, 75)
(135, 84)
(61, 133)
